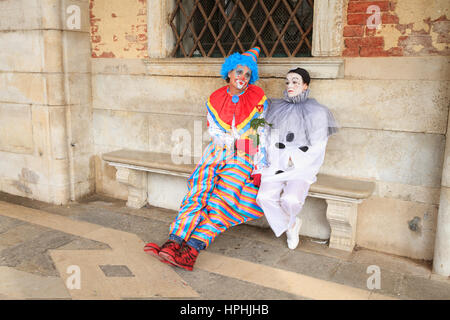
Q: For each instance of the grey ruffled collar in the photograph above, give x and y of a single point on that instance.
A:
(302, 97)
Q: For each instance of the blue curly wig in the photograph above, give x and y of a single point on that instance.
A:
(238, 59)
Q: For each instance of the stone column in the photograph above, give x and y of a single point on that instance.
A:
(441, 261)
(67, 49)
(161, 41)
(76, 49)
(327, 28)
(55, 107)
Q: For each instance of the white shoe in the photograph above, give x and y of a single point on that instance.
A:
(293, 234)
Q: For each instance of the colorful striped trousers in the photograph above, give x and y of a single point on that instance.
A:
(220, 195)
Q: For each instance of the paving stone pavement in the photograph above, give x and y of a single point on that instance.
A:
(245, 262)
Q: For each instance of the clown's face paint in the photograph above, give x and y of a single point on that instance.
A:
(239, 77)
(240, 84)
(295, 84)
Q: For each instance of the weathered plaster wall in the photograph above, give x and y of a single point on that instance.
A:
(408, 28)
(393, 112)
(118, 28)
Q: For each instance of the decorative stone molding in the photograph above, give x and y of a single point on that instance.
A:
(319, 68)
(136, 181)
(342, 218)
(326, 42)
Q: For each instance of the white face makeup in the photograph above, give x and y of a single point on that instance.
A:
(294, 84)
(240, 84)
(240, 77)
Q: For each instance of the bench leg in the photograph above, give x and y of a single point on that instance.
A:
(342, 218)
(136, 181)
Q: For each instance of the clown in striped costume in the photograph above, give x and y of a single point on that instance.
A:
(223, 187)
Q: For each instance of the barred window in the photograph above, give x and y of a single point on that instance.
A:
(217, 28)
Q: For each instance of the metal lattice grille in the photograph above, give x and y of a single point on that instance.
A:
(217, 28)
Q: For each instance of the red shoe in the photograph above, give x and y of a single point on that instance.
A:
(184, 258)
(153, 249)
(169, 249)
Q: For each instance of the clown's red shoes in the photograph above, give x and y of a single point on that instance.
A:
(169, 248)
(184, 258)
(153, 249)
(171, 252)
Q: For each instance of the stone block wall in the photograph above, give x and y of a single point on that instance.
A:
(45, 100)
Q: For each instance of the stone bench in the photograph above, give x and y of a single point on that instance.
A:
(342, 195)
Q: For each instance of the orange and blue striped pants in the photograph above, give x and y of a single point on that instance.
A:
(220, 195)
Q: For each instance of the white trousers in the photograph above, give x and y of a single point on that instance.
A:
(282, 202)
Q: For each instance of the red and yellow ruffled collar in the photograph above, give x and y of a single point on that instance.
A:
(250, 105)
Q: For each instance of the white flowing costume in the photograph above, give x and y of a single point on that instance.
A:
(296, 145)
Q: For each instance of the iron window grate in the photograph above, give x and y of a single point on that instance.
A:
(217, 28)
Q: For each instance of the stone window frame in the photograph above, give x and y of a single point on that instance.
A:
(326, 61)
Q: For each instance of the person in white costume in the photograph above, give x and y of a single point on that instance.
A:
(296, 143)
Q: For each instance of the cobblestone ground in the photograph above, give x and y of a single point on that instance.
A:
(92, 249)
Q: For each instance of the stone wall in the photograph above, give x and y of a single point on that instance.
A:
(393, 132)
(45, 100)
(393, 113)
